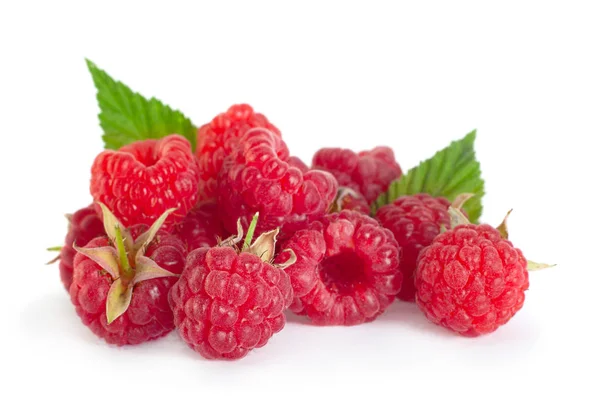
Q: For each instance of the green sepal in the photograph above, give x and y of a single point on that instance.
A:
(264, 245)
(112, 224)
(457, 217)
(106, 257)
(503, 227)
(118, 299)
(535, 266)
(146, 269)
(142, 242)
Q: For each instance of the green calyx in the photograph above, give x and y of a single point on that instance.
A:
(126, 271)
(458, 218)
(125, 261)
(263, 247)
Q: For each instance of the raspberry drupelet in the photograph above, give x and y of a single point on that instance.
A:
(368, 172)
(230, 301)
(219, 138)
(346, 270)
(121, 281)
(257, 178)
(143, 179)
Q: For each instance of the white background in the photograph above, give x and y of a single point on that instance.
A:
(526, 75)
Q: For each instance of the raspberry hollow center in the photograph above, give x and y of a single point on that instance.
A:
(343, 271)
(146, 154)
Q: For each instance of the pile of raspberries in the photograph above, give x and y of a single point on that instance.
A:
(221, 242)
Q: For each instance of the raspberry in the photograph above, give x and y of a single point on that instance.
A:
(258, 178)
(219, 138)
(348, 199)
(229, 302)
(346, 271)
(120, 287)
(471, 280)
(84, 225)
(298, 163)
(142, 180)
(415, 221)
(201, 227)
(368, 172)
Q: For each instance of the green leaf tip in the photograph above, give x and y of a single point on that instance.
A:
(126, 116)
(90, 64)
(451, 172)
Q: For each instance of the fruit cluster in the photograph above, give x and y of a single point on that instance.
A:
(218, 233)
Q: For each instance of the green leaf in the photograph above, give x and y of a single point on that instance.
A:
(450, 172)
(126, 116)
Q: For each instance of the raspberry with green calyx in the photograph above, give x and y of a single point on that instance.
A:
(230, 299)
(121, 282)
(471, 279)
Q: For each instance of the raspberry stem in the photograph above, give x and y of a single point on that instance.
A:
(126, 269)
(250, 233)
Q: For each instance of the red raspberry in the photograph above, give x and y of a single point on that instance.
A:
(415, 221)
(220, 137)
(202, 226)
(127, 304)
(228, 303)
(84, 226)
(346, 271)
(348, 199)
(471, 280)
(368, 172)
(258, 178)
(298, 163)
(144, 179)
